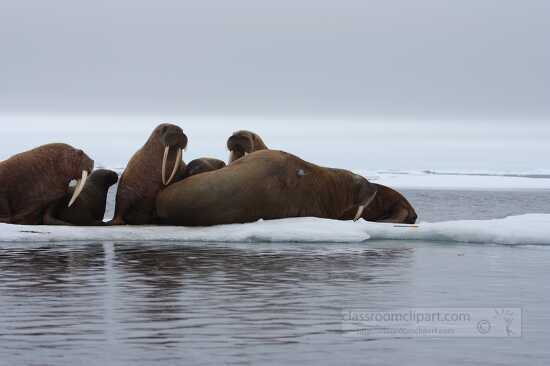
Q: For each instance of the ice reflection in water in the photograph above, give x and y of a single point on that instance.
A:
(145, 302)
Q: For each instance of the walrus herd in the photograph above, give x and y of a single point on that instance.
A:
(159, 188)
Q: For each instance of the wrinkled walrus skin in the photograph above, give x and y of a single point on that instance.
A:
(202, 165)
(388, 206)
(267, 184)
(32, 180)
(89, 209)
(143, 177)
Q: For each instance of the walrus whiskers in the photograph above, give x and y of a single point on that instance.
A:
(79, 187)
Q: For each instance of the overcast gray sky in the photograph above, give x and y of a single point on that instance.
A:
(388, 58)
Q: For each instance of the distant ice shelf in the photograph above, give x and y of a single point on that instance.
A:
(524, 229)
(430, 180)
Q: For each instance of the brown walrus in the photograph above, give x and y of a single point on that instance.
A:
(268, 184)
(32, 180)
(389, 205)
(147, 174)
(89, 209)
(242, 143)
(202, 165)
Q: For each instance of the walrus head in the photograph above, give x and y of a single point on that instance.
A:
(202, 165)
(171, 137)
(104, 177)
(364, 193)
(82, 167)
(242, 143)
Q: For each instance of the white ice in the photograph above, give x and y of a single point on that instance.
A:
(419, 180)
(523, 230)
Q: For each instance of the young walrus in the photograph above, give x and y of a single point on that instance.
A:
(89, 209)
(147, 173)
(202, 165)
(388, 206)
(32, 180)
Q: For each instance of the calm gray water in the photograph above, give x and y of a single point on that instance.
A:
(153, 303)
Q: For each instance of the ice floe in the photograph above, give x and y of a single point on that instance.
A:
(523, 230)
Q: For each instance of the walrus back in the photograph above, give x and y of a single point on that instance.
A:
(228, 195)
(267, 184)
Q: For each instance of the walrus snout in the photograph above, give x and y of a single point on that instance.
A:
(411, 219)
(172, 136)
(239, 145)
(86, 163)
(242, 143)
(86, 168)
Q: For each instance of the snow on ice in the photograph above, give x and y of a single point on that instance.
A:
(522, 230)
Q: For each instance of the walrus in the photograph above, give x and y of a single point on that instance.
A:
(242, 143)
(147, 174)
(389, 205)
(32, 180)
(267, 184)
(202, 165)
(89, 210)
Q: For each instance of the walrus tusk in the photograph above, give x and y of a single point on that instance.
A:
(359, 213)
(79, 187)
(176, 167)
(231, 156)
(362, 207)
(164, 159)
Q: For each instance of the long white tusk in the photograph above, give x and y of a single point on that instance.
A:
(362, 207)
(231, 156)
(176, 166)
(371, 199)
(359, 213)
(164, 159)
(79, 187)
